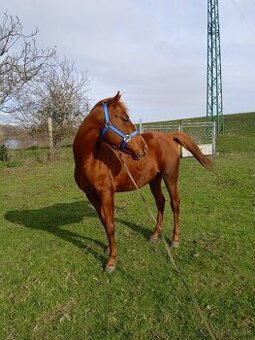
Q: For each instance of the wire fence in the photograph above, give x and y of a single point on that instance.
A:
(51, 142)
(203, 133)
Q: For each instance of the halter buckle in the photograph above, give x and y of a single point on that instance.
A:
(127, 138)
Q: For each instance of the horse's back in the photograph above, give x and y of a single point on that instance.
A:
(162, 144)
(164, 150)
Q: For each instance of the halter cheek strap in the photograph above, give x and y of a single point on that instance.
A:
(109, 126)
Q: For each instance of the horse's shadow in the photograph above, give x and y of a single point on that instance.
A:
(53, 218)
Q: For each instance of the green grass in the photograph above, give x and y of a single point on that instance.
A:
(239, 133)
(52, 285)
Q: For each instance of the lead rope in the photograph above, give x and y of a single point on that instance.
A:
(169, 253)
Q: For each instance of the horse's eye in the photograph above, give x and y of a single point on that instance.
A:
(125, 119)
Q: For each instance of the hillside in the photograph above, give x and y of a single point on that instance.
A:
(239, 133)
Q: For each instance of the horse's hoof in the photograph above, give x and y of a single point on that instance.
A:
(153, 239)
(175, 244)
(109, 269)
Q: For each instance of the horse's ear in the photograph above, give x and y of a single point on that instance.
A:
(116, 98)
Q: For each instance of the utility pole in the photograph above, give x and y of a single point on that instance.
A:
(214, 106)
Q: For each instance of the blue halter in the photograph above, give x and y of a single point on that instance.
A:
(109, 126)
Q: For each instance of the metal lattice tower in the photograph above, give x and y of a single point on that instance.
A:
(214, 107)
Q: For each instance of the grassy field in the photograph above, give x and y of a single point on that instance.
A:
(52, 285)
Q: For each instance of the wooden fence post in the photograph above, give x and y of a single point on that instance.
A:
(140, 125)
(50, 134)
(180, 130)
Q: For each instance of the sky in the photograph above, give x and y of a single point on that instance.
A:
(153, 52)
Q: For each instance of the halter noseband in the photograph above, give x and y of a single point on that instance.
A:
(109, 126)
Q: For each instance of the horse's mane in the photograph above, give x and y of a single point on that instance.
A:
(109, 100)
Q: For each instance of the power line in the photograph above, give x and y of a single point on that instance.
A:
(242, 16)
(253, 2)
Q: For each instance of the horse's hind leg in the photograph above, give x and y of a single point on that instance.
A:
(155, 186)
(171, 184)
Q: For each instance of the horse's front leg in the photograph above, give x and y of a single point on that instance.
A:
(107, 201)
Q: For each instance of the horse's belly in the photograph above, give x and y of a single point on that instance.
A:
(134, 177)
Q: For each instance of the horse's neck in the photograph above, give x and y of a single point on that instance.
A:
(91, 138)
(86, 141)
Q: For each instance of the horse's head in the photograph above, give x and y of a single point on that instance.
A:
(117, 130)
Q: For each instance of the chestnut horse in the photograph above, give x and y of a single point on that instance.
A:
(150, 157)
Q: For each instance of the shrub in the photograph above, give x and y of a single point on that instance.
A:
(4, 156)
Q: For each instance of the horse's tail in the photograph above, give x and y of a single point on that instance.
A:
(184, 140)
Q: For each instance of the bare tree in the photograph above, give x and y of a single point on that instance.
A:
(61, 93)
(20, 62)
